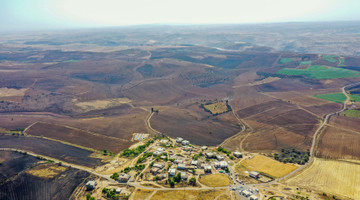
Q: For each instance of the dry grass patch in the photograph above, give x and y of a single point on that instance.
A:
(9, 92)
(215, 180)
(187, 194)
(265, 165)
(217, 108)
(46, 171)
(101, 104)
(142, 194)
(342, 178)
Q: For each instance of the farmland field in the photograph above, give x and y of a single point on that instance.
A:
(20, 178)
(217, 108)
(351, 113)
(265, 165)
(330, 176)
(334, 97)
(330, 58)
(285, 60)
(50, 148)
(191, 195)
(338, 143)
(306, 62)
(355, 98)
(320, 72)
(78, 137)
(215, 180)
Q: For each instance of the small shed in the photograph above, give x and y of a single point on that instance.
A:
(90, 185)
(253, 197)
(254, 174)
(238, 154)
(118, 190)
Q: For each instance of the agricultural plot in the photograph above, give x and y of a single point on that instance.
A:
(215, 180)
(217, 108)
(200, 130)
(337, 143)
(78, 137)
(285, 60)
(334, 97)
(27, 186)
(351, 113)
(308, 62)
(330, 58)
(330, 176)
(188, 194)
(50, 148)
(266, 166)
(13, 163)
(342, 62)
(320, 72)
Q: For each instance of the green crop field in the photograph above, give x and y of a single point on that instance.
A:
(342, 62)
(70, 61)
(334, 97)
(355, 98)
(285, 60)
(306, 62)
(320, 72)
(330, 58)
(351, 113)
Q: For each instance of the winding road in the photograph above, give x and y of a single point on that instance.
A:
(314, 142)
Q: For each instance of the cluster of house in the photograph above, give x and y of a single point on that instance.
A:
(247, 193)
(91, 184)
(182, 141)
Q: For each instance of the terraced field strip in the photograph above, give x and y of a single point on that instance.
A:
(333, 97)
(320, 72)
(330, 58)
(331, 176)
(285, 60)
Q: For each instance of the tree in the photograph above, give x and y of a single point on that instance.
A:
(177, 178)
(89, 197)
(115, 176)
(171, 182)
(192, 181)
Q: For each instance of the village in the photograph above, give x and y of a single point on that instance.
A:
(176, 163)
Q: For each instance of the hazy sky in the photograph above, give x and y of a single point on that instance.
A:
(49, 14)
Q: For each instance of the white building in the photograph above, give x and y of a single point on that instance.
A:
(194, 162)
(209, 155)
(219, 157)
(159, 165)
(172, 172)
(254, 174)
(246, 193)
(204, 147)
(124, 178)
(185, 142)
(238, 154)
(184, 176)
(157, 153)
(207, 169)
(217, 164)
(223, 164)
(253, 197)
(179, 140)
(90, 185)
